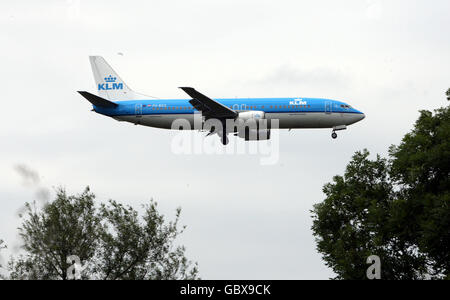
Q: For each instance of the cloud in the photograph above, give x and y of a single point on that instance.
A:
(374, 9)
(29, 176)
(289, 75)
(32, 180)
(297, 48)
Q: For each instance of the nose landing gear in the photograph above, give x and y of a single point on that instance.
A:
(336, 128)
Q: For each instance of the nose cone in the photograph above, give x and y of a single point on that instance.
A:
(362, 116)
(356, 117)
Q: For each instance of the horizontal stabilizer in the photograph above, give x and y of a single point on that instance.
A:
(97, 101)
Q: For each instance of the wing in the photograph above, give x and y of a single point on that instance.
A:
(209, 107)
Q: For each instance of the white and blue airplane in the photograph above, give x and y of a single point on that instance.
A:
(116, 100)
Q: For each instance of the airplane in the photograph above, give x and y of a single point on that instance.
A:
(116, 100)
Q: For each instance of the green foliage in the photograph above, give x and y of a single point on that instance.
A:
(421, 166)
(2, 246)
(111, 240)
(67, 226)
(396, 208)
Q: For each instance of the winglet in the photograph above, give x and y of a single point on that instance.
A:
(98, 101)
(187, 89)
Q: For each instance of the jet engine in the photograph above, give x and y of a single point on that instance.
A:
(251, 115)
(249, 126)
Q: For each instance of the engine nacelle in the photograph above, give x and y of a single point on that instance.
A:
(251, 115)
(254, 134)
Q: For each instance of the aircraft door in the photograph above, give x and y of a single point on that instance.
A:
(243, 107)
(138, 110)
(328, 107)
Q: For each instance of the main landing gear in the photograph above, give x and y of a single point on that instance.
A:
(336, 128)
(222, 133)
(224, 137)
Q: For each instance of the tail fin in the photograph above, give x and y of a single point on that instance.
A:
(109, 85)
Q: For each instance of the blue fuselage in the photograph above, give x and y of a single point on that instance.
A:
(267, 105)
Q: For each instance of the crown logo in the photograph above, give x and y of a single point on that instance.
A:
(110, 79)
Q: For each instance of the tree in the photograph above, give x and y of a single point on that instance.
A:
(2, 246)
(396, 208)
(111, 241)
(421, 167)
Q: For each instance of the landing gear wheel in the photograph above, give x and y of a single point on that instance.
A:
(334, 135)
(225, 140)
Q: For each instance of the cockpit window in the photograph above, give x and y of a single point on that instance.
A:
(345, 106)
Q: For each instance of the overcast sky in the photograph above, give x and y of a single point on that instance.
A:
(388, 59)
